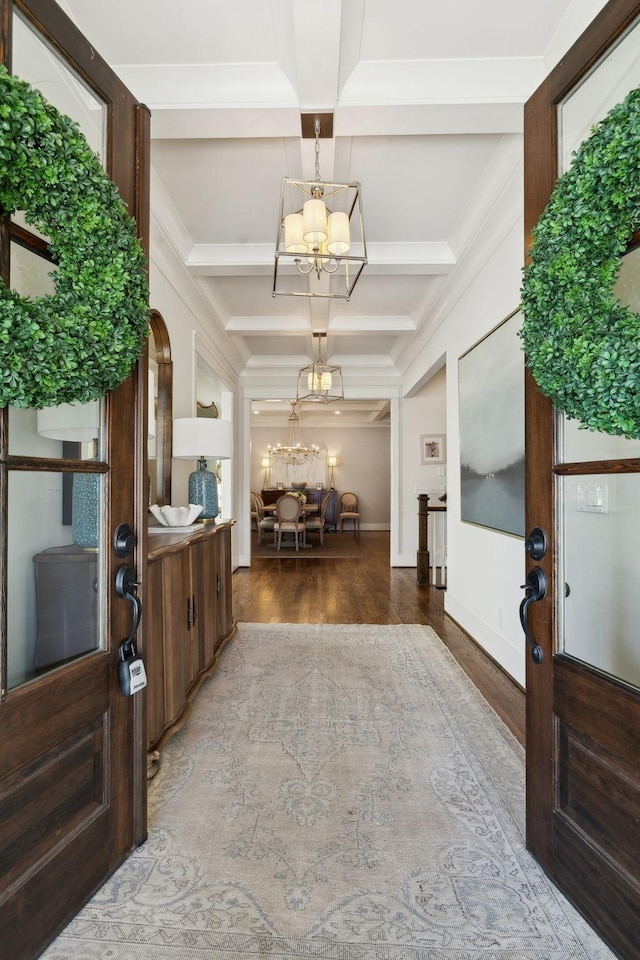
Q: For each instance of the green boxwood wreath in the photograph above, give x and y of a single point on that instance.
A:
(80, 342)
(581, 344)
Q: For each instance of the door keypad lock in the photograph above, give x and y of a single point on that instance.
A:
(133, 676)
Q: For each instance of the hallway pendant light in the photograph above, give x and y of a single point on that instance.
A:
(293, 452)
(320, 249)
(320, 382)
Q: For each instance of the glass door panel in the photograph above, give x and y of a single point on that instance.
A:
(577, 444)
(601, 610)
(39, 64)
(53, 595)
(607, 84)
(599, 522)
(56, 598)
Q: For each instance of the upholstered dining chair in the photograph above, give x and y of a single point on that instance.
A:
(265, 522)
(349, 511)
(254, 510)
(313, 523)
(289, 519)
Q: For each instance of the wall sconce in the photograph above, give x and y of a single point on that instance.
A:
(333, 463)
(266, 463)
(199, 438)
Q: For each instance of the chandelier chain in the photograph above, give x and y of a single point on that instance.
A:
(316, 127)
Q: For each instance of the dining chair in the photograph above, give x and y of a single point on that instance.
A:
(254, 510)
(317, 522)
(289, 519)
(265, 522)
(349, 511)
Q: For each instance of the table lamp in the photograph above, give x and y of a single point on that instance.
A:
(199, 438)
(333, 463)
(266, 463)
(77, 423)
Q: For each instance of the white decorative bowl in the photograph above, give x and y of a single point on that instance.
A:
(176, 516)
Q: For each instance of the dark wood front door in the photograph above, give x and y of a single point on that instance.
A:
(72, 747)
(583, 489)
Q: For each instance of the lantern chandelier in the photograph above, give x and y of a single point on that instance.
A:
(319, 382)
(320, 249)
(294, 451)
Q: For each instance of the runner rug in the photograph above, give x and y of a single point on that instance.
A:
(339, 792)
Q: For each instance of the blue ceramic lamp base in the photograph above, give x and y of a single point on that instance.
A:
(203, 489)
(86, 509)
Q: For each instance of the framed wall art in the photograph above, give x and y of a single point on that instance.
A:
(432, 448)
(491, 404)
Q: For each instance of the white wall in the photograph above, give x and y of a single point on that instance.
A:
(424, 413)
(485, 567)
(363, 468)
(197, 340)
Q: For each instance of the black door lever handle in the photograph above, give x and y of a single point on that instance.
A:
(125, 587)
(535, 589)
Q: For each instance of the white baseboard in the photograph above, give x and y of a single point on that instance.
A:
(403, 560)
(510, 658)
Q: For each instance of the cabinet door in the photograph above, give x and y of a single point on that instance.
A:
(331, 516)
(207, 598)
(223, 585)
(177, 610)
(154, 652)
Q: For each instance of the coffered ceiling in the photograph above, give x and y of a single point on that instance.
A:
(427, 101)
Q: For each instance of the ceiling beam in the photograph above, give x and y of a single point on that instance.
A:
(256, 259)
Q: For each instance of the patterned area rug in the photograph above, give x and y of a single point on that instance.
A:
(339, 792)
(336, 546)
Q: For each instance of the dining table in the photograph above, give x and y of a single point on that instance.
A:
(306, 508)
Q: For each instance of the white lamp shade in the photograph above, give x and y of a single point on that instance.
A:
(339, 240)
(265, 462)
(333, 461)
(320, 380)
(75, 422)
(195, 437)
(314, 215)
(293, 234)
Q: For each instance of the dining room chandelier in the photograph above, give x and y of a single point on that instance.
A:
(319, 382)
(294, 451)
(320, 247)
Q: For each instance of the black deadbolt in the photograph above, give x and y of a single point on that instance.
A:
(124, 540)
(536, 543)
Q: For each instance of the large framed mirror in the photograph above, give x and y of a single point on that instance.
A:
(160, 410)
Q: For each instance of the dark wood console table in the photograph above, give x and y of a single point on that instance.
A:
(188, 620)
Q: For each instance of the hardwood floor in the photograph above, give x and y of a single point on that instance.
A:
(368, 590)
